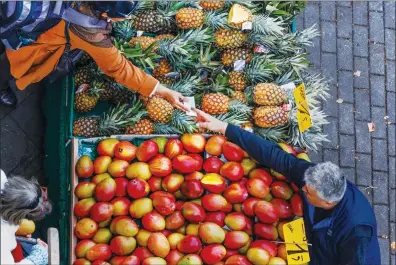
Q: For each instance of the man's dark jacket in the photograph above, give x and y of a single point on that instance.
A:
(348, 235)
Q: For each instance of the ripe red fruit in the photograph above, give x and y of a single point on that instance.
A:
(257, 188)
(121, 185)
(189, 244)
(214, 146)
(235, 193)
(267, 245)
(193, 212)
(160, 166)
(248, 206)
(199, 159)
(147, 150)
(232, 171)
(283, 207)
(155, 184)
(266, 231)
(173, 147)
(213, 202)
(138, 188)
(216, 217)
(125, 150)
(261, 174)
(212, 254)
(266, 212)
(213, 165)
(297, 204)
(232, 152)
(101, 211)
(142, 253)
(282, 190)
(185, 164)
(194, 142)
(192, 189)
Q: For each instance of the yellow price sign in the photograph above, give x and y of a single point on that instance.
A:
(296, 242)
(303, 116)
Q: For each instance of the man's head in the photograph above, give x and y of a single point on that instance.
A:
(325, 186)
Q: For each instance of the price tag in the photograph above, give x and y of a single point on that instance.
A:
(288, 86)
(248, 25)
(295, 233)
(139, 33)
(82, 88)
(239, 65)
(303, 117)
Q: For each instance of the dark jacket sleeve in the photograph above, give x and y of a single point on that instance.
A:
(269, 154)
(354, 249)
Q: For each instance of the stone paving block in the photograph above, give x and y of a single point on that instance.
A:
(347, 151)
(316, 157)
(367, 191)
(329, 37)
(392, 205)
(363, 137)
(380, 182)
(393, 232)
(375, 5)
(360, 12)
(391, 140)
(330, 155)
(349, 173)
(30, 118)
(382, 215)
(360, 41)
(329, 67)
(344, 54)
(390, 76)
(376, 25)
(362, 104)
(331, 130)
(299, 22)
(392, 173)
(377, 88)
(363, 169)
(362, 81)
(346, 118)
(390, 21)
(379, 155)
(377, 61)
(384, 248)
(343, 3)
(328, 10)
(311, 15)
(390, 43)
(14, 152)
(345, 86)
(377, 116)
(344, 22)
(35, 169)
(391, 107)
(314, 53)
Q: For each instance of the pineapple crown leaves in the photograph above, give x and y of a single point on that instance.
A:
(217, 20)
(164, 128)
(186, 85)
(123, 31)
(177, 52)
(142, 58)
(234, 118)
(275, 134)
(182, 122)
(261, 69)
(205, 58)
(305, 37)
(198, 36)
(266, 25)
(144, 5)
(237, 106)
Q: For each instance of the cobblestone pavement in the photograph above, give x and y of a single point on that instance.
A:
(356, 51)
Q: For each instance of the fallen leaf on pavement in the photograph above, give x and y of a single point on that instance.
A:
(371, 126)
(339, 101)
(357, 73)
(393, 246)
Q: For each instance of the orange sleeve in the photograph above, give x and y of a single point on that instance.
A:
(115, 65)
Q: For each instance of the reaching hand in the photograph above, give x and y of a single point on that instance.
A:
(210, 123)
(175, 98)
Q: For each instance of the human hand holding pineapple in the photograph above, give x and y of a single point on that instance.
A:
(209, 122)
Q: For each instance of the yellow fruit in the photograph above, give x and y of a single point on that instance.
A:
(159, 109)
(237, 80)
(189, 18)
(239, 95)
(231, 55)
(270, 116)
(269, 94)
(239, 15)
(215, 103)
(230, 38)
(144, 41)
(142, 127)
(162, 69)
(26, 227)
(211, 5)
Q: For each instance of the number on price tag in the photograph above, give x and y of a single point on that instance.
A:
(295, 233)
(303, 116)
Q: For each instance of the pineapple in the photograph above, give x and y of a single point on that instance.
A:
(144, 41)
(84, 60)
(269, 94)
(231, 55)
(106, 92)
(270, 116)
(159, 109)
(215, 103)
(189, 18)
(164, 37)
(112, 122)
(149, 21)
(163, 68)
(211, 5)
(123, 31)
(239, 14)
(121, 95)
(230, 38)
(142, 127)
(144, 99)
(237, 80)
(83, 76)
(239, 95)
(86, 98)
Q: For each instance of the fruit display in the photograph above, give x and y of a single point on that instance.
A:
(233, 57)
(191, 199)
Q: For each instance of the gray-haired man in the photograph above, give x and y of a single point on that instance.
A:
(339, 221)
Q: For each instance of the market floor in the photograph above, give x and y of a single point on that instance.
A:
(356, 52)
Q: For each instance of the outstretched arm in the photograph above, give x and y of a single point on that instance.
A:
(265, 152)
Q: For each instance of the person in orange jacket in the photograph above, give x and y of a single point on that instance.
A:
(31, 64)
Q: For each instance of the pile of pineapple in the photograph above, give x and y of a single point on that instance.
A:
(233, 57)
